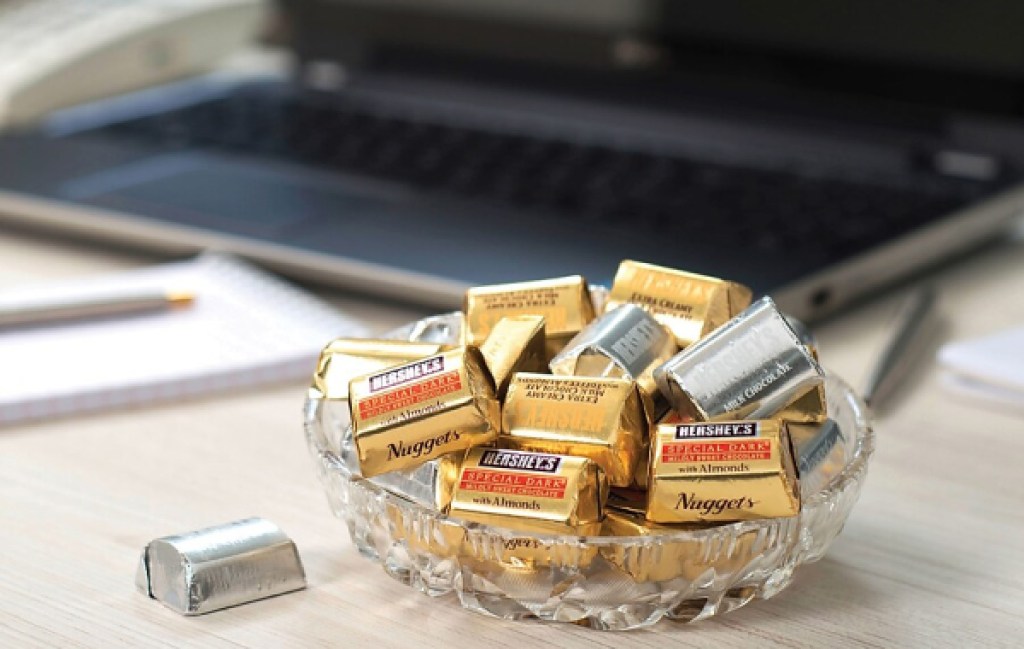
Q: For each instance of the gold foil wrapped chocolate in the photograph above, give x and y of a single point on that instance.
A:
(749, 368)
(601, 419)
(447, 473)
(405, 415)
(689, 305)
(341, 361)
(722, 471)
(515, 344)
(811, 408)
(540, 492)
(346, 358)
(620, 522)
(642, 472)
(691, 556)
(564, 303)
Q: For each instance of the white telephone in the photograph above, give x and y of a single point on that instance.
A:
(57, 53)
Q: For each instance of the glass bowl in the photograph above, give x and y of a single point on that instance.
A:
(604, 582)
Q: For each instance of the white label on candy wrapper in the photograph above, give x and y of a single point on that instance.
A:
(692, 431)
(406, 373)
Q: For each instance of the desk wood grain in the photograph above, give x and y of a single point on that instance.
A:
(932, 555)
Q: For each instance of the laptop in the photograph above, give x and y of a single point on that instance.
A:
(813, 151)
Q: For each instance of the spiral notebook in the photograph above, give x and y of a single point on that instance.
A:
(245, 328)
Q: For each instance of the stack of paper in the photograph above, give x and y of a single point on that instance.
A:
(990, 369)
(245, 328)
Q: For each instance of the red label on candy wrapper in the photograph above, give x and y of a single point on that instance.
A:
(513, 484)
(717, 452)
(404, 397)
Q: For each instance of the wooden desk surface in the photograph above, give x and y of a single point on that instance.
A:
(933, 555)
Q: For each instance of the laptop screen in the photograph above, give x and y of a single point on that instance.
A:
(957, 55)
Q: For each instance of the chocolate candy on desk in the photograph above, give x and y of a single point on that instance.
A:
(601, 419)
(217, 567)
(540, 492)
(749, 368)
(626, 342)
(564, 303)
(515, 344)
(722, 471)
(406, 415)
(689, 305)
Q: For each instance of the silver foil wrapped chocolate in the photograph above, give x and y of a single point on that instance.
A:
(820, 453)
(749, 368)
(217, 567)
(626, 342)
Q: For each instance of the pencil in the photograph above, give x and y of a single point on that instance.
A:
(91, 308)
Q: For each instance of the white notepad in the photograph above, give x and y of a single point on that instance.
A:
(245, 328)
(990, 368)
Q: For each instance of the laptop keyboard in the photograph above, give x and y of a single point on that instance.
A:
(598, 186)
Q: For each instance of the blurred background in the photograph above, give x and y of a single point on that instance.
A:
(388, 153)
(408, 148)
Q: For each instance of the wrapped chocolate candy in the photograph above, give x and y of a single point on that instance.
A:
(428, 484)
(692, 556)
(530, 491)
(621, 522)
(346, 358)
(564, 303)
(819, 453)
(405, 415)
(515, 344)
(626, 342)
(601, 419)
(722, 471)
(328, 415)
(749, 368)
(689, 305)
(218, 567)
(811, 408)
